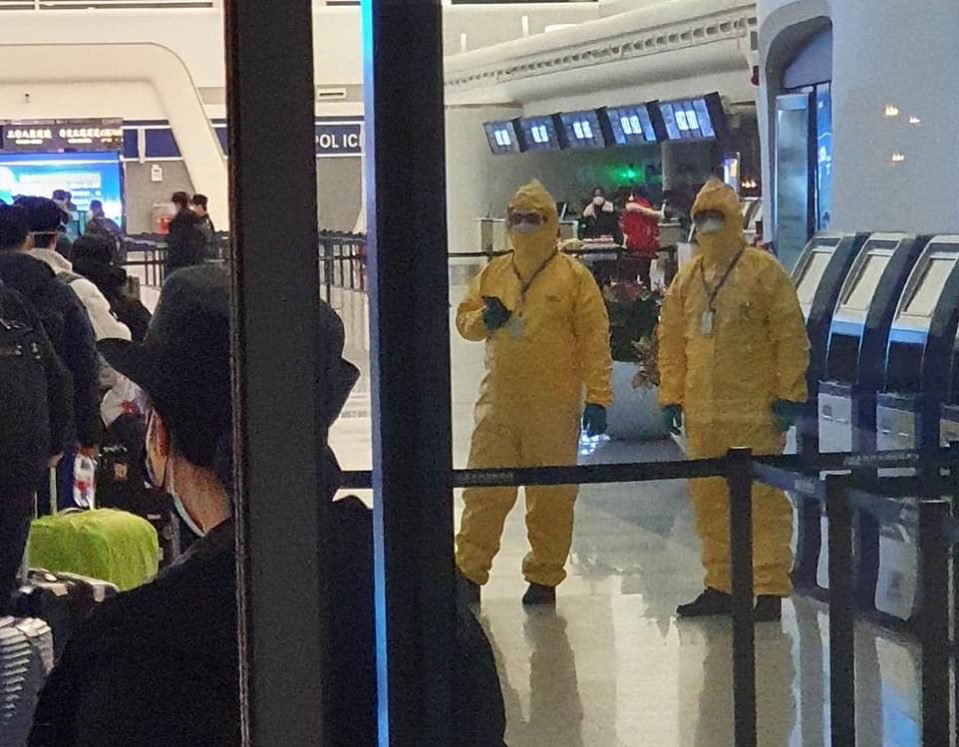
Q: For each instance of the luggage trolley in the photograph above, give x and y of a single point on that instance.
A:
(918, 381)
(818, 276)
(855, 372)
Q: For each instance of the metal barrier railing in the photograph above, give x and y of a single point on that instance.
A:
(842, 494)
(150, 256)
(342, 262)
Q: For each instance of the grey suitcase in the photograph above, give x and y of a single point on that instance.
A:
(26, 658)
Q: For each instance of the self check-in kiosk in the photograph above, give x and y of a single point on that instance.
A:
(855, 372)
(918, 381)
(818, 276)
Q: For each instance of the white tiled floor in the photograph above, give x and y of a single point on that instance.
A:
(612, 667)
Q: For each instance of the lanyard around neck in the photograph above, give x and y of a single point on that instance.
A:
(713, 292)
(524, 286)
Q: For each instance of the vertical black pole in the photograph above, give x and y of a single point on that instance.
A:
(281, 516)
(809, 544)
(739, 478)
(842, 622)
(327, 260)
(954, 498)
(934, 622)
(409, 315)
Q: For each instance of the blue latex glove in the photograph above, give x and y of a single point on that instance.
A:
(594, 420)
(495, 314)
(785, 414)
(673, 418)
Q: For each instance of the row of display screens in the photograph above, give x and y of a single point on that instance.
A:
(609, 127)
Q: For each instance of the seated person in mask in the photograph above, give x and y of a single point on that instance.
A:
(601, 219)
(159, 665)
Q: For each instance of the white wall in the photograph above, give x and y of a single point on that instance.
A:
(734, 84)
(486, 25)
(139, 78)
(904, 53)
(470, 193)
(897, 52)
(131, 100)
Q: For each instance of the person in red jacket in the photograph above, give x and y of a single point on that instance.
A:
(640, 223)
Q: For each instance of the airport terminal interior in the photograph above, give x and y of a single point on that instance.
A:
(663, 229)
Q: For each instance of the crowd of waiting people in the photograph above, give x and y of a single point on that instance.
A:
(159, 664)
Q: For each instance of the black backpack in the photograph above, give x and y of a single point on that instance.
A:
(36, 284)
(24, 409)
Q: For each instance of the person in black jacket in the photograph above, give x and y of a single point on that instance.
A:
(93, 257)
(186, 245)
(159, 665)
(601, 219)
(64, 321)
(20, 472)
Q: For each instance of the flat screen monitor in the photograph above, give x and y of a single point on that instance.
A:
(860, 295)
(503, 137)
(812, 275)
(631, 125)
(926, 295)
(88, 176)
(699, 118)
(583, 129)
(542, 133)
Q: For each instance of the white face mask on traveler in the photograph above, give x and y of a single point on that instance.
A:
(524, 229)
(599, 200)
(168, 484)
(710, 224)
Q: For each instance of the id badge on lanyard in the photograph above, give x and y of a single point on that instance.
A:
(707, 323)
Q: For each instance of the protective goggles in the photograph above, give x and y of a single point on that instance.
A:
(529, 219)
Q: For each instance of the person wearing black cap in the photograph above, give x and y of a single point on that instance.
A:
(186, 246)
(204, 223)
(64, 320)
(159, 664)
(45, 226)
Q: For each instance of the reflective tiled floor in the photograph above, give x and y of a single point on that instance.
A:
(612, 667)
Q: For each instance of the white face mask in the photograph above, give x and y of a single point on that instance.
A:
(178, 504)
(710, 225)
(525, 229)
(599, 200)
(169, 486)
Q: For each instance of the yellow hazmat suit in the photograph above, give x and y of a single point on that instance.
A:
(555, 343)
(726, 366)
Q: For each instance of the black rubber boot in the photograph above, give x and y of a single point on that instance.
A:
(768, 609)
(467, 592)
(539, 595)
(710, 602)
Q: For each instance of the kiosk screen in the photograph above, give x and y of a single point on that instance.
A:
(927, 293)
(860, 296)
(811, 276)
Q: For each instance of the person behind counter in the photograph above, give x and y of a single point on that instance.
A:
(640, 223)
(601, 219)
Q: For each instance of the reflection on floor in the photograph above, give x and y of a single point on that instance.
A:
(612, 667)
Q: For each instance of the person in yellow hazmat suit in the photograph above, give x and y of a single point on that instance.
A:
(544, 322)
(733, 357)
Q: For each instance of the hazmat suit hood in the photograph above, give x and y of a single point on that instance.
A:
(532, 250)
(720, 247)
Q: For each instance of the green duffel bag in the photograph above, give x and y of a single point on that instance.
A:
(104, 543)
